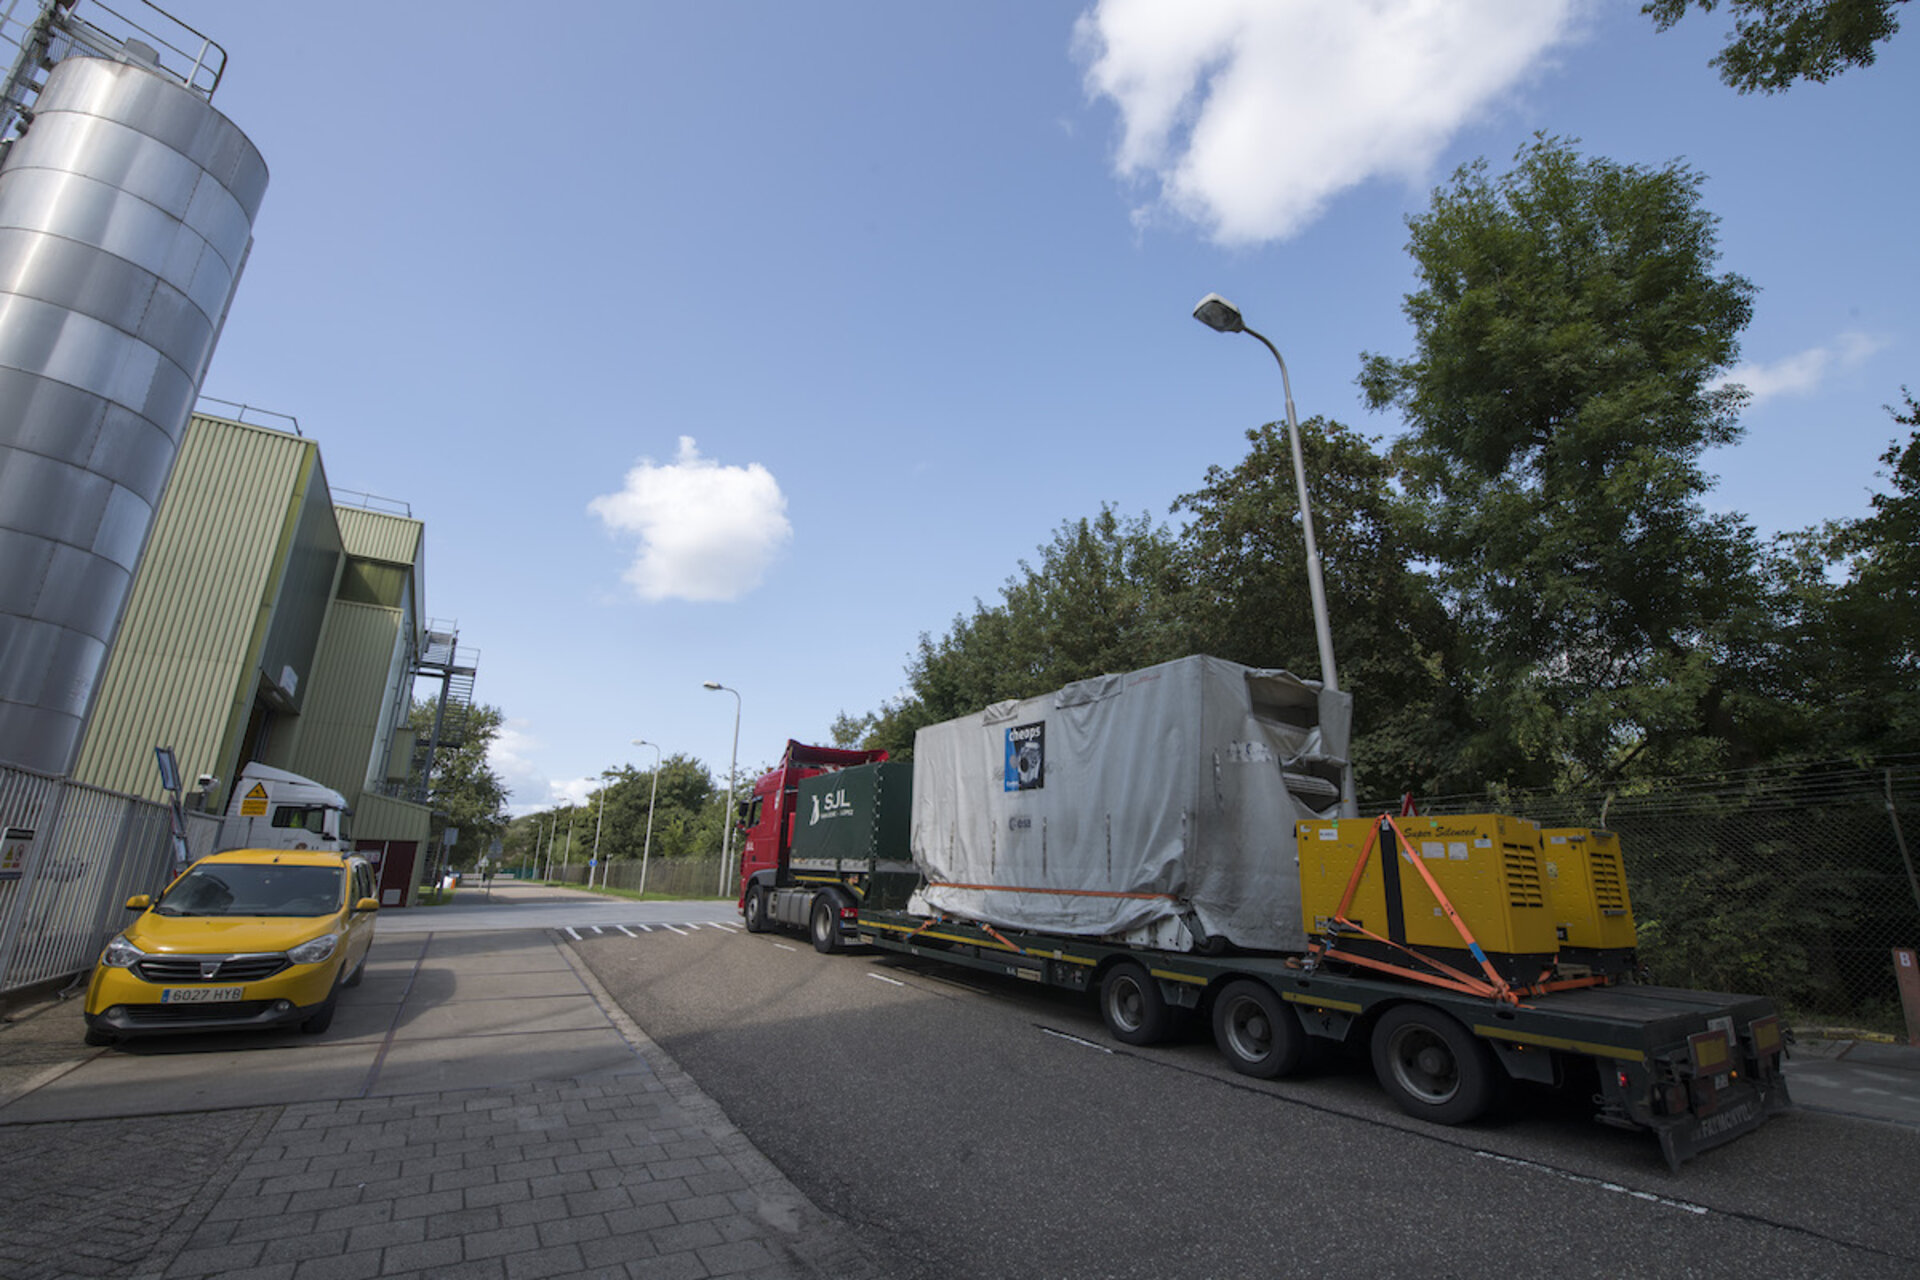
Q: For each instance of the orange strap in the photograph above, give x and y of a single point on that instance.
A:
(1494, 985)
(1003, 942)
(1069, 893)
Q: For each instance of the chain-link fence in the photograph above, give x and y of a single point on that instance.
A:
(1795, 883)
(677, 877)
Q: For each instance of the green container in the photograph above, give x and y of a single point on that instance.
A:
(849, 820)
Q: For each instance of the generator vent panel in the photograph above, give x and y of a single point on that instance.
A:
(1587, 888)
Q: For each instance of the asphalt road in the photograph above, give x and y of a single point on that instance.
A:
(968, 1127)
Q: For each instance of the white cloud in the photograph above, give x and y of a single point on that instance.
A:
(510, 755)
(707, 532)
(1802, 373)
(1250, 115)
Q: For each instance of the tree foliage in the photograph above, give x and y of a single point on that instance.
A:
(1777, 42)
(1569, 332)
(463, 786)
(1394, 646)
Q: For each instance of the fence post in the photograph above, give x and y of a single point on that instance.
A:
(1899, 838)
(1908, 977)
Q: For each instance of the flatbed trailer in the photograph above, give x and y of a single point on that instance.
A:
(1696, 1068)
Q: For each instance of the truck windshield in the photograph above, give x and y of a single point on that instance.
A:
(248, 889)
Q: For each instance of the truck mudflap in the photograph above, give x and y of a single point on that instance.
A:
(1736, 1109)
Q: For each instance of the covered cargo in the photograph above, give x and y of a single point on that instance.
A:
(844, 820)
(1158, 807)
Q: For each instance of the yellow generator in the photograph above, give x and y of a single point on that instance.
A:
(1587, 892)
(1488, 865)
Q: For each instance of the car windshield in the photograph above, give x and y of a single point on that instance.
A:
(254, 889)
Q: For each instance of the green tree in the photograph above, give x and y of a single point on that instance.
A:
(1776, 42)
(1569, 336)
(463, 786)
(1855, 655)
(1245, 555)
(1108, 595)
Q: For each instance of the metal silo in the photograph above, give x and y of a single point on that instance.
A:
(126, 215)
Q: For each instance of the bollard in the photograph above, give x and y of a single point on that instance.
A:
(1908, 976)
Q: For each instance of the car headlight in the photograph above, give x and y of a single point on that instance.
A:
(120, 953)
(316, 951)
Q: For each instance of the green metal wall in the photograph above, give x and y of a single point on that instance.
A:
(185, 667)
(333, 740)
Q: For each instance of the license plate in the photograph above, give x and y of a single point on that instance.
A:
(199, 995)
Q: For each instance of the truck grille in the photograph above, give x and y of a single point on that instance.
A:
(180, 970)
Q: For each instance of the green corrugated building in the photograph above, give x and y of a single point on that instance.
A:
(268, 623)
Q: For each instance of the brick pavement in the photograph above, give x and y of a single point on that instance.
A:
(630, 1172)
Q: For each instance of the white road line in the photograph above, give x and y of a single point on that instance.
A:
(676, 928)
(598, 929)
(572, 934)
(630, 933)
(784, 947)
(1084, 1044)
(895, 982)
(1685, 1206)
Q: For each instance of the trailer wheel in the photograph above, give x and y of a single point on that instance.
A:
(1131, 1003)
(1433, 1067)
(756, 910)
(1258, 1033)
(826, 925)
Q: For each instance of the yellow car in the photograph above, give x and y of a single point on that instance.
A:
(250, 938)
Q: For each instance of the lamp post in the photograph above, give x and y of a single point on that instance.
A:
(726, 830)
(1222, 316)
(652, 791)
(599, 820)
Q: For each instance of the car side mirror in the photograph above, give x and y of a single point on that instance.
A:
(367, 904)
(139, 902)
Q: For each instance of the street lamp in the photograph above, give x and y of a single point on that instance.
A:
(726, 830)
(1218, 314)
(599, 819)
(652, 791)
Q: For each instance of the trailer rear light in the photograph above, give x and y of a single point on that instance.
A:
(1712, 1055)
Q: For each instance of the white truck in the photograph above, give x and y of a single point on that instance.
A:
(274, 809)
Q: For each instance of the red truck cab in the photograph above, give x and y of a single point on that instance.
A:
(767, 817)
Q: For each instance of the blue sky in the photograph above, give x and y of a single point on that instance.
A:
(747, 341)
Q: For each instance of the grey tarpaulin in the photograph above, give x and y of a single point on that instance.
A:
(1120, 804)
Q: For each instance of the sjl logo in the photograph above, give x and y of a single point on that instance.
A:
(832, 805)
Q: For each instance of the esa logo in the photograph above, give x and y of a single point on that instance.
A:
(1026, 757)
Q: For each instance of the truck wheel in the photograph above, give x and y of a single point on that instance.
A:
(1433, 1067)
(1259, 1033)
(826, 925)
(756, 910)
(1134, 1009)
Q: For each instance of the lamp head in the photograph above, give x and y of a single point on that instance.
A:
(1218, 314)
(711, 684)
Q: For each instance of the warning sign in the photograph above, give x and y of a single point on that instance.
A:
(13, 851)
(254, 803)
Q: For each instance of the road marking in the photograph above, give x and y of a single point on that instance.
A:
(784, 947)
(1084, 1044)
(892, 982)
(598, 929)
(676, 928)
(572, 934)
(630, 933)
(1685, 1206)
